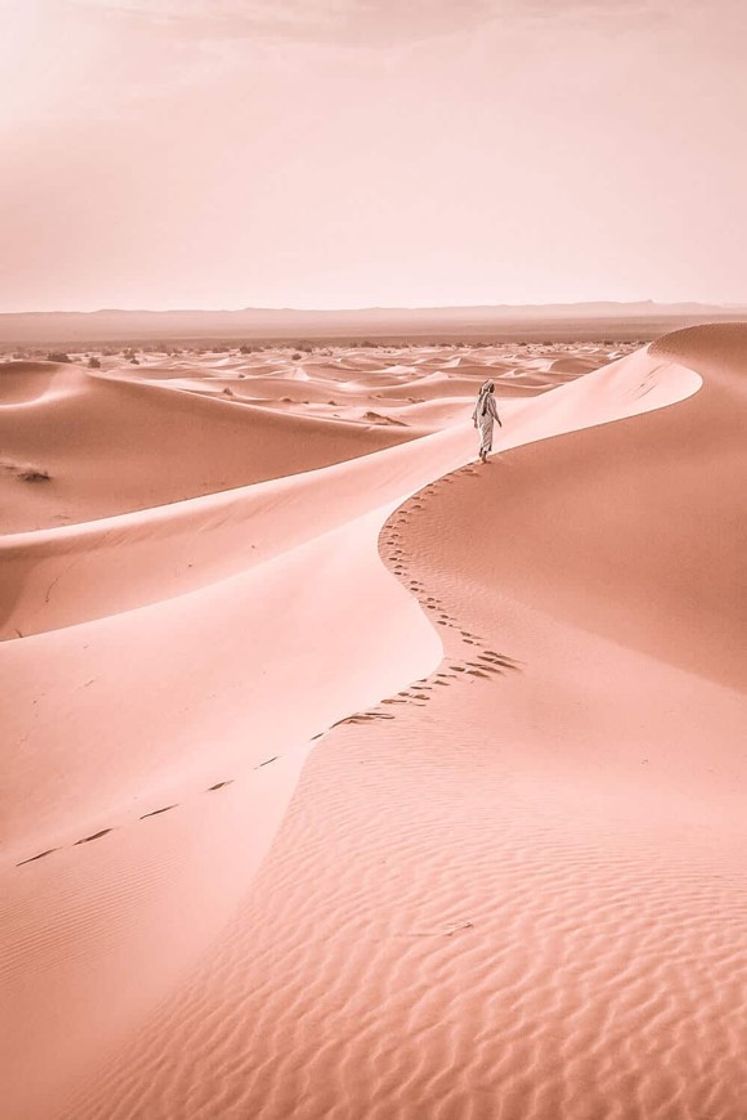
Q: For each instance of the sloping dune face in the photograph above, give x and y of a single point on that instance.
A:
(506, 882)
(112, 445)
(90, 443)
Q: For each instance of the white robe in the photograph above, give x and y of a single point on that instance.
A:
(486, 412)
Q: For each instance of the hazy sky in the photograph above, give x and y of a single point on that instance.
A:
(343, 153)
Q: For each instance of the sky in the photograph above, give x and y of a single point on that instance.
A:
(354, 153)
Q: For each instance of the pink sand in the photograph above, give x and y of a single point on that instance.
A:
(346, 778)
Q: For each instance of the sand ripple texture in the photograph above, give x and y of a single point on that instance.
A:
(512, 888)
(465, 950)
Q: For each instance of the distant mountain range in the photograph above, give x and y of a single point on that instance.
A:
(503, 322)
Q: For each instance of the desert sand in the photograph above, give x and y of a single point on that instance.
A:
(347, 778)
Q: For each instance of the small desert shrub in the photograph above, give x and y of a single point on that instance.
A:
(57, 356)
(31, 474)
(94, 363)
(297, 357)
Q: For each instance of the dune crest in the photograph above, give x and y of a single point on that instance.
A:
(471, 909)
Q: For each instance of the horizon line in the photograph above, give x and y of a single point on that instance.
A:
(382, 307)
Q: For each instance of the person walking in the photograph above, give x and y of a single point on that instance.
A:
(486, 412)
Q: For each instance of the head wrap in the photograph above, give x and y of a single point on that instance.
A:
(482, 400)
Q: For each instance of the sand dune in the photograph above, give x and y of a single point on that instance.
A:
(112, 445)
(508, 882)
(22, 382)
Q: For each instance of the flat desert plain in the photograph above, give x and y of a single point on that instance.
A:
(346, 777)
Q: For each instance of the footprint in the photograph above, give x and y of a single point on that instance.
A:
(502, 660)
(39, 855)
(155, 812)
(267, 762)
(94, 836)
(220, 785)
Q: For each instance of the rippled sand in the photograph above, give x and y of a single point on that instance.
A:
(348, 778)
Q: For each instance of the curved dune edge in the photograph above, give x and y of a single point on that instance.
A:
(494, 906)
(522, 915)
(113, 444)
(76, 676)
(151, 850)
(57, 578)
(111, 649)
(124, 438)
